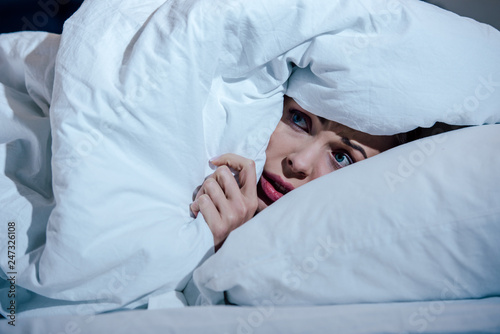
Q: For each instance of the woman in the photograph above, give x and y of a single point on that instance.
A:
(302, 148)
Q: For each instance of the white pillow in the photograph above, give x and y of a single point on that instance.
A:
(418, 222)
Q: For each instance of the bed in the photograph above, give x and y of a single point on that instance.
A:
(470, 316)
(108, 128)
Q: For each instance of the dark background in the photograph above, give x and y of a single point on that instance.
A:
(486, 11)
(49, 15)
(45, 15)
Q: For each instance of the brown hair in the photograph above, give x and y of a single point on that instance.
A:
(420, 132)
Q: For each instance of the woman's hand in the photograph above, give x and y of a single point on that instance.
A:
(224, 203)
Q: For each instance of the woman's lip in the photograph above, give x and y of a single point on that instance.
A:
(272, 188)
(285, 186)
(268, 194)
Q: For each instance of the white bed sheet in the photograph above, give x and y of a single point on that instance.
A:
(460, 316)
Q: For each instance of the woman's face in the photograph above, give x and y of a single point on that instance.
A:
(304, 147)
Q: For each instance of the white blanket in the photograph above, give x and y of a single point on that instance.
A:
(145, 92)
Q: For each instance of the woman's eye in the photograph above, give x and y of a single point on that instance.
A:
(299, 119)
(341, 159)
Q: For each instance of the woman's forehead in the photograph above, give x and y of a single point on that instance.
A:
(381, 142)
(341, 130)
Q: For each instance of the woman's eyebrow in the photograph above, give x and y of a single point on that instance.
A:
(354, 146)
(322, 120)
(344, 139)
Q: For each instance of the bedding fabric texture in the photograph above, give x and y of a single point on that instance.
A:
(144, 93)
(410, 224)
(443, 317)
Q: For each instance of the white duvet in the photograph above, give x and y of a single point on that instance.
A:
(142, 93)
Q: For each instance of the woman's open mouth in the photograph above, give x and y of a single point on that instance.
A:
(271, 188)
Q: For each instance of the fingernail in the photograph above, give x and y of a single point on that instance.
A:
(195, 192)
(192, 212)
(211, 162)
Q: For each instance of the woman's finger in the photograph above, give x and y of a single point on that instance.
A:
(208, 209)
(213, 219)
(227, 182)
(199, 190)
(213, 189)
(194, 205)
(246, 171)
(202, 190)
(195, 208)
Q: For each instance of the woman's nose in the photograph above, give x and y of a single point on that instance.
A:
(300, 163)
